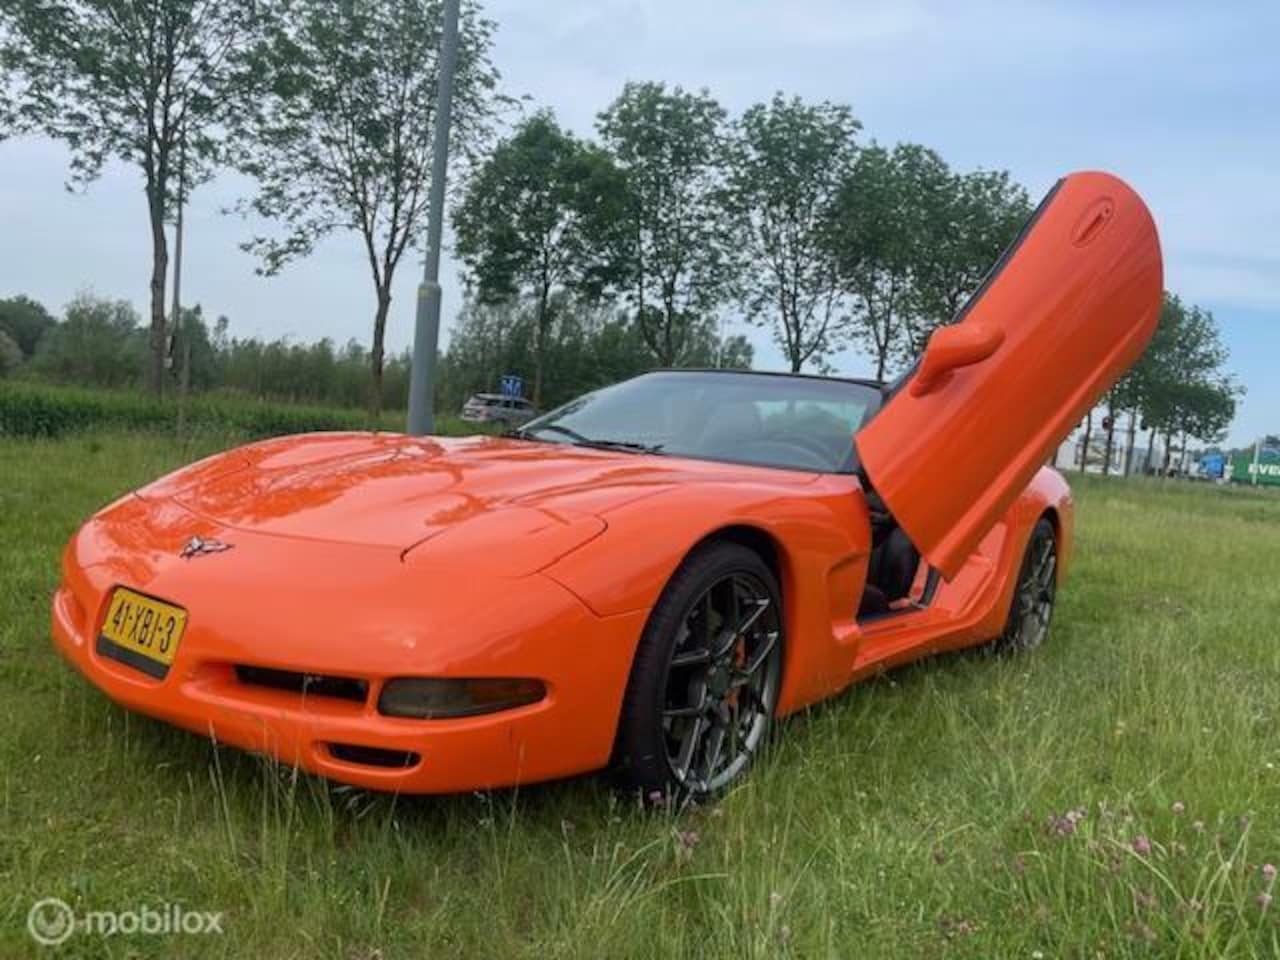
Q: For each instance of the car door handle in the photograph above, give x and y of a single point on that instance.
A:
(951, 348)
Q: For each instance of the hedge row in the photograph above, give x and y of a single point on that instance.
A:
(40, 410)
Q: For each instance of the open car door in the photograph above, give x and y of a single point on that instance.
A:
(1067, 309)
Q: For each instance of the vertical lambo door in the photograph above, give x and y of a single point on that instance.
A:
(1065, 312)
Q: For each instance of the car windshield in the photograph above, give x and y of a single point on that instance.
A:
(768, 420)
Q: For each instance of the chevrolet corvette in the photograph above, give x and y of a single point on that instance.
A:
(643, 580)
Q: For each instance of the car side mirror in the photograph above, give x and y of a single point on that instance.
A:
(951, 348)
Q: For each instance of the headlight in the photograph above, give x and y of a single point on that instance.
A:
(432, 698)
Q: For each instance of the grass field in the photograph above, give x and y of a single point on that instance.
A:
(1115, 794)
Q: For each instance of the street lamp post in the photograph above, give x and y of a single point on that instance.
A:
(426, 334)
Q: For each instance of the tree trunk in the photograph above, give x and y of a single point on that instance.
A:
(1111, 434)
(159, 273)
(1084, 449)
(1168, 451)
(1149, 467)
(375, 355)
(540, 343)
(1133, 439)
(668, 343)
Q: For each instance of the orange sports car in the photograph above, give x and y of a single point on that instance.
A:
(644, 579)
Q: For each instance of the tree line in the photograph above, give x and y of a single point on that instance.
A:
(584, 258)
(1178, 390)
(678, 213)
(105, 343)
(781, 216)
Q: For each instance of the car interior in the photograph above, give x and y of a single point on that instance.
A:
(895, 563)
(797, 429)
(818, 436)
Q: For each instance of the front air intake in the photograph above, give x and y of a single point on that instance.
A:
(306, 684)
(373, 756)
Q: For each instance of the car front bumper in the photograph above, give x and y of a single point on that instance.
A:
(583, 660)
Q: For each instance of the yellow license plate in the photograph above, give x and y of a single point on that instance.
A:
(142, 631)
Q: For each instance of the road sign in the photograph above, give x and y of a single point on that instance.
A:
(512, 385)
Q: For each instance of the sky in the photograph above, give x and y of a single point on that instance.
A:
(1180, 99)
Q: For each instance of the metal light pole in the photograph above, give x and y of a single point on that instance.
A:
(179, 325)
(426, 334)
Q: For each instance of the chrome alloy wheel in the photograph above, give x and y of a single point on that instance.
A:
(1032, 610)
(722, 683)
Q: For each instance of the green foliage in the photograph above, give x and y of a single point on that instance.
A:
(912, 241)
(36, 410)
(98, 342)
(880, 229)
(969, 220)
(585, 347)
(787, 162)
(339, 139)
(129, 80)
(24, 321)
(675, 259)
(535, 221)
(1178, 385)
(10, 354)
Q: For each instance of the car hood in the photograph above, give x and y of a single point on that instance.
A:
(423, 494)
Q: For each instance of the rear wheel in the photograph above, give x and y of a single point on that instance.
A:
(1035, 594)
(704, 684)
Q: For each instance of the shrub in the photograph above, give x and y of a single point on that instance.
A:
(10, 354)
(36, 410)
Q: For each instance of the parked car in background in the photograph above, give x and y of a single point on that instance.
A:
(495, 408)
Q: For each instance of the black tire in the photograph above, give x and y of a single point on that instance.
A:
(706, 675)
(1034, 596)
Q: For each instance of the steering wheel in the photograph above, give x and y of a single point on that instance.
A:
(809, 442)
(816, 455)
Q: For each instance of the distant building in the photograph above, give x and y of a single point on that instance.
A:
(1070, 456)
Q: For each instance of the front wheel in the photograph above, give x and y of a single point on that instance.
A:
(704, 685)
(1035, 594)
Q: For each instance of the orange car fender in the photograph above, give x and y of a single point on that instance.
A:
(820, 539)
(1047, 493)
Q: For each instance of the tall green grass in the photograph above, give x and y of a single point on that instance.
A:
(1115, 794)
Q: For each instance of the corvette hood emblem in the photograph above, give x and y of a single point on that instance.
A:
(199, 546)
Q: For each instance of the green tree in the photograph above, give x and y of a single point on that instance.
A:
(204, 358)
(588, 345)
(99, 343)
(1179, 387)
(532, 220)
(968, 221)
(1205, 410)
(787, 162)
(127, 79)
(673, 253)
(10, 354)
(880, 225)
(340, 140)
(25, 321)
